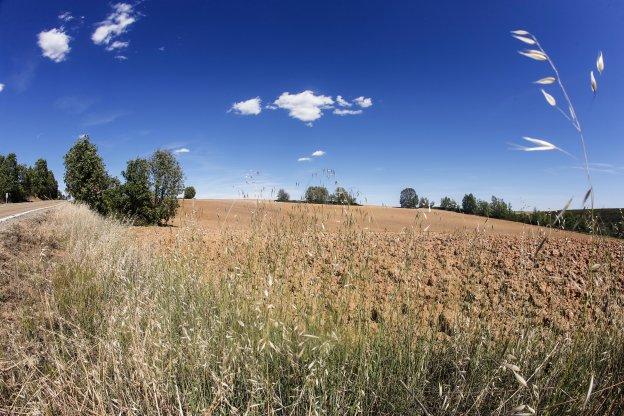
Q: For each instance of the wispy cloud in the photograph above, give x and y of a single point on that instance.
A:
(318, 153)
(304, 159)
(181, 150)
(346, 112)
(54, 44)
(66, 17)
(74, 104)
(115, 25)
(342, 102)
(96, 119)
(251, 107)
(1, 87)
(363, 102)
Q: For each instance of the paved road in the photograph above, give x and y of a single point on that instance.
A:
(9, 212)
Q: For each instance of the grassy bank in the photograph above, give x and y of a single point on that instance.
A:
(123, 326)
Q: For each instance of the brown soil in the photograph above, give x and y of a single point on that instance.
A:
(463, 268)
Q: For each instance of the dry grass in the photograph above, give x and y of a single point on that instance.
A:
(290, 318)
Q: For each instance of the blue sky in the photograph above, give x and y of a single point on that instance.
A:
(442, 92)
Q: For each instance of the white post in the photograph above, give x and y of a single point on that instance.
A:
(6, 198)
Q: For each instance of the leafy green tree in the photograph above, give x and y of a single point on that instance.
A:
(408, 198)
(316, 195)
(469, 204)
(189, 192)
(448, 204)
(424, 202)
(10, 178)
(133, 199)
(500, 209)
(167, 181)
(85, 175)
(483, 208)
(342, 196)
(43, 182)
(282, 196)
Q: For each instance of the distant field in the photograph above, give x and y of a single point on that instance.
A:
(215, 214)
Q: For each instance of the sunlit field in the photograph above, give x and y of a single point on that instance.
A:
(291, 315)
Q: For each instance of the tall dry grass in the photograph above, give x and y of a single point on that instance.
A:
(126, 327)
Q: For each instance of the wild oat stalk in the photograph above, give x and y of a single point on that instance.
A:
(539, 54)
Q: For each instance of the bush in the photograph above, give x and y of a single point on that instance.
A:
(448, 204)
(189, 192)
(343, 197)
(469, 204)
(408, 198)
(282, 196)
(316, 195)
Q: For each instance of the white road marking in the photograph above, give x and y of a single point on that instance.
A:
(10, 217)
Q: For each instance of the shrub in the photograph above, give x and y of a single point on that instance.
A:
(408, 198)
(448, 204)
(343, 197)
(282, 196)
(316, 195)
(189, 192)
(469, 204)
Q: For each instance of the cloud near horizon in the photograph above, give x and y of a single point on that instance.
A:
(54, 44)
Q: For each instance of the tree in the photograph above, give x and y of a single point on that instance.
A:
(189, 192)
(316, 195)
(342, 196)
(448, 204)
(282, 196)
(483, 208)
(499, 208)
(424, 202)
(43, 182)
(167, 181)
(134, 198)
(469, 204)
(85, 174)
(10, 178)
(408, 198)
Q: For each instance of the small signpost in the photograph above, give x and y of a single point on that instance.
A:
(6, 198)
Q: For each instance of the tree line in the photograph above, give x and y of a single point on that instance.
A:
(148, 194)
(22, 182)
(320, 195)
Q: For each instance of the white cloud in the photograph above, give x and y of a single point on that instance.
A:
(304, 159)
(318, 153)
(251, 107)
(1, 87)
(304, 106)
(342, 102)
(115, 25)
(181, 150)
(117, 45)
(54, 44)
(345, 112)
(121, 57)
(162, 49)
(363, 102)
(66, 17)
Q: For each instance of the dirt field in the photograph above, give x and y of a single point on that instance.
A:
(451, 266)
(215, 214)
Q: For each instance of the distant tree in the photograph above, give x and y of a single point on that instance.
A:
(26, 180)
(167, 181)
(424, 202)
(85, 175)
(469, 204)
(189, 192)
(316, 195)
(134, 198)
(483, 208)
(342, 196)
(448, 204)
(408, 198)
(282, 196)
(500, 209)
